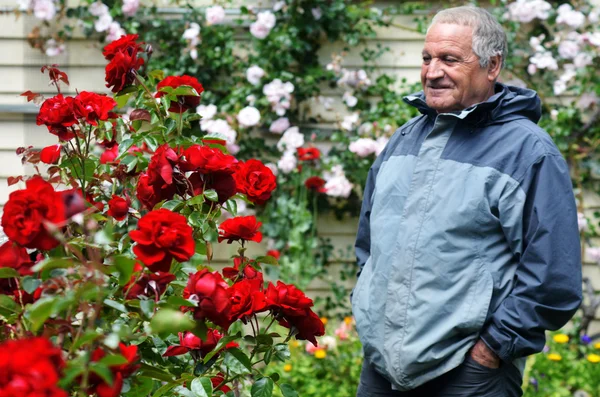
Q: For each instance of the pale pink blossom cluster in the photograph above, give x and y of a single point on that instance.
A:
(560, 85)
(192, 36)
(114, 32)
(343, 331)
(542, 60)
(337, 185)
(587, 100)
(265, 22)
(254, 74)
(528, 10)
(279, 5)
(350, 121)
(349, 99)
(582, 222)
(593, 253)
(130, 7)
(364, 147)
(325, 343)
(279, 95)
(354, 79)
(215, 15)
(248, 117)
(280, 125)
(291, 140)
(317, 13)
(568, 16)
(53, 48)
(217, 127)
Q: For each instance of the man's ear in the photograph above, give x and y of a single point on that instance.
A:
(494, 67)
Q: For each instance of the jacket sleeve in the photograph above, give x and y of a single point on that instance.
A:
(544, 236)
(363, 236)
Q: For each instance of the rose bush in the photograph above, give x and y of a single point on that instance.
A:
(105, 282)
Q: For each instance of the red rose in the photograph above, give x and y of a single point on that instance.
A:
(153, 284)
(205, 159)
(109, 155)
(99, 386)
(118, 207)
(56, 113)
(315, 183)
(73, 201)
(250, 273)
(184, 102)
(126, 44)
(213, 297)
(308, 154)
(50, 154)
(122, 69)
(308, 325)
(247, 299)
(243, 228)
(145, 192)
(27, 210)
(274, 253)
(162, 236)
(162, 163)
(255, 180)
(217, 380)
(287, 299)
(93, 107)
(222, 183)
(30, 367)
(189, 342)
(16, 257)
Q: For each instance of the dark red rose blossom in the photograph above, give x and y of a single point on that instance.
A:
(126, 43)
(122, 69)
(274, 253)
(213, 297)
(316, 184)
(189, 342)
(147, 194)
(73, 201)
(243, 228)
(15, 257)
(30, 368)
(118, 207)
(255, 180)
(162, 163)
(308, 154)
(162, 236)
(147, 284)
(109, 155)
(249, 271)
(93, 107)
(217, 380)
(163, 179)
(247, 298)
(287, 299)
(50, 154)
(56, 113)
(119, 372)
(205, 159)
(184, 102)
(222, 183)
(26, 211)
(308, 325)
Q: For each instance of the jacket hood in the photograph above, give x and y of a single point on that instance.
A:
(507, 104)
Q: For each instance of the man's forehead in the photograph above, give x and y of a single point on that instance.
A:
(445, 37)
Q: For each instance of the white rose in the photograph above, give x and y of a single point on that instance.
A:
(568, 49)
(287, 163)
(349, 121)
(248, 116)
(363, 147)
(207, 111)
(279, 125)
(192, 32)
(278, 5)
(130, 7)
(583, 59)
(291, 139)
(115, 31)
(98, 8)
(254, 74)
(53, 48)
(266, 18)
(338, 186)
(317, 13)
(215, 15)
(272, 167)
(350, 99)
(103, 23)
(44, 9)
(259, 31)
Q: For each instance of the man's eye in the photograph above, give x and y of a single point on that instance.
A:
(449, 60)
(426, 59)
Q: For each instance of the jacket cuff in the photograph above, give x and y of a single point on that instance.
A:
(492, 338)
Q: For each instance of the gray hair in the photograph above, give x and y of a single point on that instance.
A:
(489, 39)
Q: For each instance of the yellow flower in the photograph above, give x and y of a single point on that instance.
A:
(593, 358)
(554, 357)
(287, 367)
(561, 338)
(348, 320)
(294, 343)
(324, 320)
(320, 354)
(597, 346)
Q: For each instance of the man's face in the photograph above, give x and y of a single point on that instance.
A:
(451, 76)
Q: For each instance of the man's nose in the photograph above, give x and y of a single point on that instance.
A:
(435, 70)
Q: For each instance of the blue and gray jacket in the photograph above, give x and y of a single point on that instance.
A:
(468, 230)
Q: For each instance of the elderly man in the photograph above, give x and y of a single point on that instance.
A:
(468, 243)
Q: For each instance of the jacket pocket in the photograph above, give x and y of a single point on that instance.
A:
(481, 297)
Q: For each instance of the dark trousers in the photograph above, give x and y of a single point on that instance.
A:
(470, 379)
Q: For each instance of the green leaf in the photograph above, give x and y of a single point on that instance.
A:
(124, 265)
(164, 389)
(151, 142)
(8, 306)
(178, 301)
(8, 272)
(30, 284)
(242, 357)
(202, 387)
(211, 195)
(275, 376)
(89, 336)
(171, 321)
(262, 388)
(234, 365)
(287, 390)
(231, 207)
(52, 263)
(267, 259)
(113, 359)
(183, 90)
(173, 205)
(282, 352)
(201, 367)
(116, 305)
(103, 371)
(199, 199)
(39, 312)
(221, 344)
(155, 373)
(147, 307)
